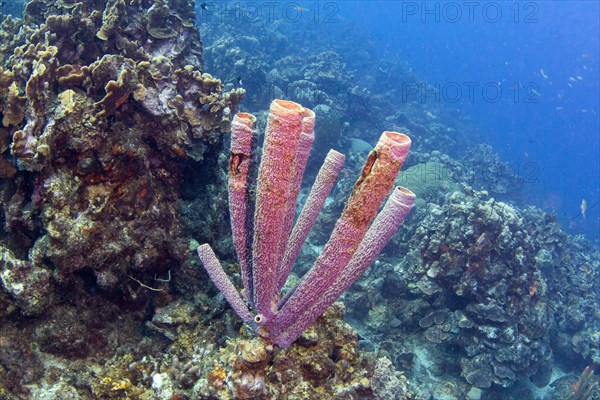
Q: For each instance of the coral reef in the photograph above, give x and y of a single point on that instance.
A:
(269, 64)
(324, 364)
(100, 184)
(570, 266)
(111, 139)
(386, 306)
(199, 362)
(477, 293)
(100, 104)
(473, 261)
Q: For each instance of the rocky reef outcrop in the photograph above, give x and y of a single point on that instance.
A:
(101, 103)
(487, 291)
(476, 269)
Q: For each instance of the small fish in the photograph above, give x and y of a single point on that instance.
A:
(583, 208)
(584, 110)
(204, 6)
(572, 79)
(579, 77)
(239, 81)
(559, 108)
(543, 74)
(532, 291)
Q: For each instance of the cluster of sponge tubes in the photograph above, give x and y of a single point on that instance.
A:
(268, 242)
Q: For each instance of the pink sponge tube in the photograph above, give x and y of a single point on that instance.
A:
(380, 232)
(378, 176)
(222, 282)
(282, 137)
(312, 207)
(243, 140)
(307, 138)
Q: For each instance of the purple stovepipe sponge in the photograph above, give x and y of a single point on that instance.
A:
(268, 242)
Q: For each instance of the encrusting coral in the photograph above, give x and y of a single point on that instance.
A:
(102, 98)
(471, 265)
(98, 110)
(323, 364)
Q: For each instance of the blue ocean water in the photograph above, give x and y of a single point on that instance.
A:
(526, 72)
